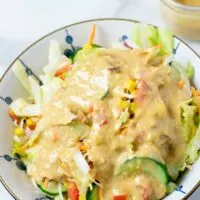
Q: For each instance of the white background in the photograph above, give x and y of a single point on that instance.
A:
(24, 21)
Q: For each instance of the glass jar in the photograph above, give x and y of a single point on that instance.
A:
(181, 19)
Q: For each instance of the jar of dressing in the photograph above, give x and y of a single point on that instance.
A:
(182, 17)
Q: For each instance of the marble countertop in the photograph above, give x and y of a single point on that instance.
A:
(24, 21)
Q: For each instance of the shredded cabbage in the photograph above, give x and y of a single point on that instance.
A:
(54, 52)
(21, 108)
(81, 162)
(50, 87)
(17, 105)
(56, 59)
(36, 90)
(19, 71)
(31, 110)
(60, 191)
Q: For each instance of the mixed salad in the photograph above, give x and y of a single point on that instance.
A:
(119, 123)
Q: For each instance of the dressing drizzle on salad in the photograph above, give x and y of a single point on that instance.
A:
(112, 128)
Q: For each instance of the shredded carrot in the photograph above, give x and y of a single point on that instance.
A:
(62, 70)
(91, 109)
(54, 137)
(62, 76)
(104, 122)
(181, 84)
(13, 115)
(83, 147)
(46, 182)
(92, 35)
(124, 131)
(195, 92)
(100, 194)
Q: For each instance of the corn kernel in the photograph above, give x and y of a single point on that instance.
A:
(133, 91)
(30, 122)
(19, 132)
(124, 104)
(133, 107)
(131, 85)
(87, 46)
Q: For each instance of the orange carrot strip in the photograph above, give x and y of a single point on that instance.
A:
(181, 84)
(62, 70)
(92, 34)
(91, 109)
(13, 115)
(54, 137)
(83, 147)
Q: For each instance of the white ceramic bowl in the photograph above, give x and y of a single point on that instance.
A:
(35, 56)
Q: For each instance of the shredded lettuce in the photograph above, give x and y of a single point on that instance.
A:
(146, 36)
(192, 152)
(187, 72)
(188, 111)
(182, 75)
(190, 71)
(180, 69)
(191, 131)
(166, 40)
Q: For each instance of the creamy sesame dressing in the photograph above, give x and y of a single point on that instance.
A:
(115, 105)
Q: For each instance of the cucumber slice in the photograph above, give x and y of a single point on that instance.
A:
(94, 193)
(145, 165)
(81, 54)
(52, 189)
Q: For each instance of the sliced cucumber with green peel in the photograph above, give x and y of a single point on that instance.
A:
(94, 193)
(145, 165)
(52, 189)
(82, 54)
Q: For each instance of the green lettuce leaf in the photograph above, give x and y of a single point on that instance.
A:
(188, 113)
(146, 36)
(191, 131)
(192, 152)
(190, 71)
(166, 40)
(187, 72)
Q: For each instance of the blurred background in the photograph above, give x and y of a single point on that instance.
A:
(24, 21)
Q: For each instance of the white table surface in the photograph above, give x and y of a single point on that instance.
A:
(24, 21)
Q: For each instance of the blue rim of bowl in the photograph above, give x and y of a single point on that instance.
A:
(68, 26)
